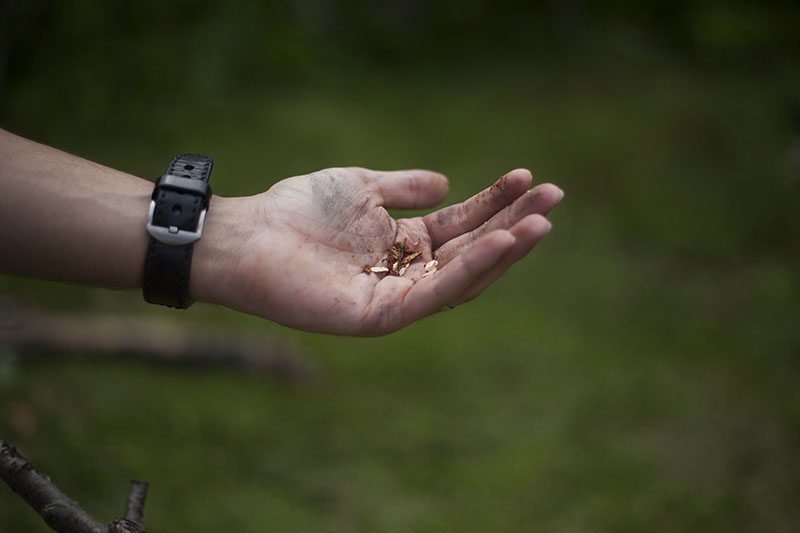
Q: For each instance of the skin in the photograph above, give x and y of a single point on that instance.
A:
(294, 254)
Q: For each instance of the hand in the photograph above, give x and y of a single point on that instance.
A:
(298, 252)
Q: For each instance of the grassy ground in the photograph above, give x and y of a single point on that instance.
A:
(638, 372)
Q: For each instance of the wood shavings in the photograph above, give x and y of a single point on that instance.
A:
(398, 258)
(430, 268)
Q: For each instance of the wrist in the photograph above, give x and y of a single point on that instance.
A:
(217, 257)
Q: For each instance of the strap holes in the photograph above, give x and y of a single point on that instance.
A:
(176, 208)
(188, 167)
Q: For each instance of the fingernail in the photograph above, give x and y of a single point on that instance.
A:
(562, 193)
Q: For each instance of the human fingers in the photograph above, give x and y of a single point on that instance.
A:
(449, 222)
(409, 189)
(527, 232)
(539, 200)
(429, 294)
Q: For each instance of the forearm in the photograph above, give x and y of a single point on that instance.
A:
(65, 218)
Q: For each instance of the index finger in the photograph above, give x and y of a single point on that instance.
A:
(452, 221)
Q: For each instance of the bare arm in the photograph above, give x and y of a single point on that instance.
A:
(65, 218)
(295, 254)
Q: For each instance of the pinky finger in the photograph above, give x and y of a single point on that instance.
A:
(527, 232)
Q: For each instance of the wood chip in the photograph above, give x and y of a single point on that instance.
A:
(430, 268)
(408, 258)
(398, 257)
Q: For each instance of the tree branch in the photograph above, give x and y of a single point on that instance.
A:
(134, 507)
(131, 521)
(58, 511)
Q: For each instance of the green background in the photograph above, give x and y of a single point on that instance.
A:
(638, 372)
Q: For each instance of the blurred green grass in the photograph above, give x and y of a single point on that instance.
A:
(637, 372)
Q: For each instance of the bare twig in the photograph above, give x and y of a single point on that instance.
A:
(131, 521)
(134, 507)
(60, 512)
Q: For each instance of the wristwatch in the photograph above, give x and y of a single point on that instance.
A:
(175, 221)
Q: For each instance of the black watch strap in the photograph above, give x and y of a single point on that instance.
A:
(177, 212)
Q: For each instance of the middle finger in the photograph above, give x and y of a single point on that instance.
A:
(537, 201)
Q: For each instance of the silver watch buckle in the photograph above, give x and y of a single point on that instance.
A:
(172, 235)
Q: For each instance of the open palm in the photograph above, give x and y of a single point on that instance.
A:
(304, 262)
